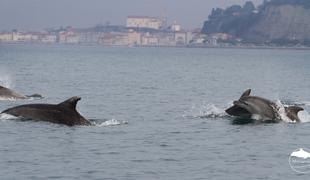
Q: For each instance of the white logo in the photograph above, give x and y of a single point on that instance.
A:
(299, 160)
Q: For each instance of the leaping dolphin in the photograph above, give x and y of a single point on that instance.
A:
(248, 105)
(6, 93)
(63, 113)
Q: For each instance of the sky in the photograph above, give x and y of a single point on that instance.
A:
(40, 14)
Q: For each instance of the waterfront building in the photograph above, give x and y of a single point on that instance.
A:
(114, 39)
(180, 38)
(49, 39)
(149, 40)
(134, 38)
(6, 37)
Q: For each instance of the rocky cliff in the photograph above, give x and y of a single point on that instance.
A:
(281, 22)
(274, 20)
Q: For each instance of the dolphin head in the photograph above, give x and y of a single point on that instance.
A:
(292, 112)
(240, 107)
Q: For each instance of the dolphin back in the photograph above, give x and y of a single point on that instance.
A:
(8, 93)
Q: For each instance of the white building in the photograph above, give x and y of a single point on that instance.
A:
(21, 37)
(144, 22)
(175, 27)
(5, 37)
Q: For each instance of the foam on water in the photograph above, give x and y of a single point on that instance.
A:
(112, 122)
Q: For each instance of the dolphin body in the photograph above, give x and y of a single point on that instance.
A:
(248, 105)
(6, 93)
(63, 113)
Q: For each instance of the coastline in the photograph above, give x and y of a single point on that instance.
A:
(161, 46)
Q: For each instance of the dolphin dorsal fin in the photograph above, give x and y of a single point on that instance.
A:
(246, 93)
(71, 102)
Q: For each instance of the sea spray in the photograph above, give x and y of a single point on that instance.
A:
(5, 80)
(282, 113)
(205, 111)
(112, 122)
(304, 116)
(4, 117)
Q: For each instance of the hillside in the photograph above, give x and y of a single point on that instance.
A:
(275, 20)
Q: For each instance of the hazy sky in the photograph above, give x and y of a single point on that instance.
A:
(39, 14)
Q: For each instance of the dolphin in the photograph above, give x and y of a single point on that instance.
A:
(6, 93)
(62, 113)
(248, 105)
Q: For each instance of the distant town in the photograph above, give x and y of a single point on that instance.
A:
(138, 31)
(237, 26)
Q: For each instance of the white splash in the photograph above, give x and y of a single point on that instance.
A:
(4, 117)
(257, 117)
(282, 113)
(112, 122)
(7, 99)
(205, 111)
(303, 115)
(5, 80)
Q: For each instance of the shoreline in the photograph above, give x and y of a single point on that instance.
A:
(160, 46)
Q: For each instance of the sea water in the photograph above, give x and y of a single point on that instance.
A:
(158, 113)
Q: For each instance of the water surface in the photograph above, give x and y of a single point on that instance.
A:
(168, 104)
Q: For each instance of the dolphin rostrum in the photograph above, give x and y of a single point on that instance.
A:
(6, 93)
(248, 105)
(63, 113)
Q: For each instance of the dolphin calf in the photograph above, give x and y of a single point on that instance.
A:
(248, 106)
(63, 113)
(6, 93)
